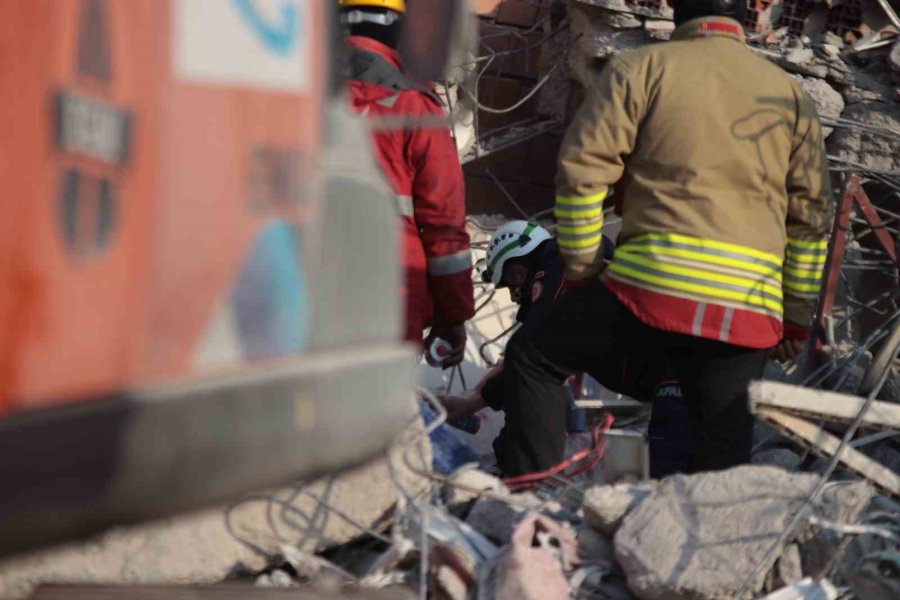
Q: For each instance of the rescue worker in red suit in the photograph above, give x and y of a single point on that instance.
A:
(422, 167)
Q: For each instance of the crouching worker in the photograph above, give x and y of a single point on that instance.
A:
(524, 258)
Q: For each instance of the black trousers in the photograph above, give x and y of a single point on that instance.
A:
(589, 330)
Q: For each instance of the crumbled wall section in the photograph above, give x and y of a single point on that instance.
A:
(818, 42)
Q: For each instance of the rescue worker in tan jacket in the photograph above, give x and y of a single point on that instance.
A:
(726, 206)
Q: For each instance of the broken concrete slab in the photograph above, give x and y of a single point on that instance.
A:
(831, 51)
(799, 56)
(874, 150)
(659, 30)
(467, 481)
(853, 94)
(596, 40)
(701, 536)
(660, 10)
(829, 103)
(605, 506)
(208, 546)
(789, 568)
(619, 20)
(833, 39)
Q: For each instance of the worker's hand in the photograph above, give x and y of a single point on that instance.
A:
(788, 350)
(460, 407)
(455, 335)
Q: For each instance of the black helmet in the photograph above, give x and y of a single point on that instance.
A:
(685, 10)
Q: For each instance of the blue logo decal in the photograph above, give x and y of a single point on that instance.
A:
(271, 299)
(280, 38)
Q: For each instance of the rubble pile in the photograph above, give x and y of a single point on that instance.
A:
(854, 76)
(788, 527)
(709, 536)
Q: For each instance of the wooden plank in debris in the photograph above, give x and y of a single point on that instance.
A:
(822, 404)
(828, 444)
(210, 592)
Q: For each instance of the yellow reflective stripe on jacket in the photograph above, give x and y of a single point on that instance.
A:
(713, 245)
(804, 261)
(704, 275)
(806, 251)
(579, 229)
(581, 201)
(820, 245)
(666, 245)
(564, 213)
(580, 208)
(693, 291)
(702, 270)
(580, 221)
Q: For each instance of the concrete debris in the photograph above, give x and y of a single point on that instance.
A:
(894, 57)
(806, 590)
(469, 480)
(605, 506)
(799, 56)
(828, 101)
(276, 579)
(596, 40)
(658, 10)
(789, 568)
(710, 531)
(830, 51)
(841, 502)
(832, 39)
(873, 149)
(658, 30)
(619, 20)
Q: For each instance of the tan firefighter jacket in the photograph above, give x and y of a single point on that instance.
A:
(727, 197)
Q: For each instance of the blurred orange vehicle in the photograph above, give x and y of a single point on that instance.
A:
(198, 276)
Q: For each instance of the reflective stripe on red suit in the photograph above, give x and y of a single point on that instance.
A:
(423, 169)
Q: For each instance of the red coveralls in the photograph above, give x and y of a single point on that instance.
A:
(423, 169)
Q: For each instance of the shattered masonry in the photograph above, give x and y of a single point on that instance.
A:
(846, 52)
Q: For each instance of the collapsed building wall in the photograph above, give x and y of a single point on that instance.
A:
(536, 58)
(845, 54)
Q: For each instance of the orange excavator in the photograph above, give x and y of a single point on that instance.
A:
(198, 283)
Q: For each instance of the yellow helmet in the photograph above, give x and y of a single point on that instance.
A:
(395, 5)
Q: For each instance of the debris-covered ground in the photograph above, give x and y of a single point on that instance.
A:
(431, 519)
(797, 530)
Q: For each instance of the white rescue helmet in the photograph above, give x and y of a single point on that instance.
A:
(513, 239)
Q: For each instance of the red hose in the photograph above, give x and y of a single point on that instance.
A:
(595, 452)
